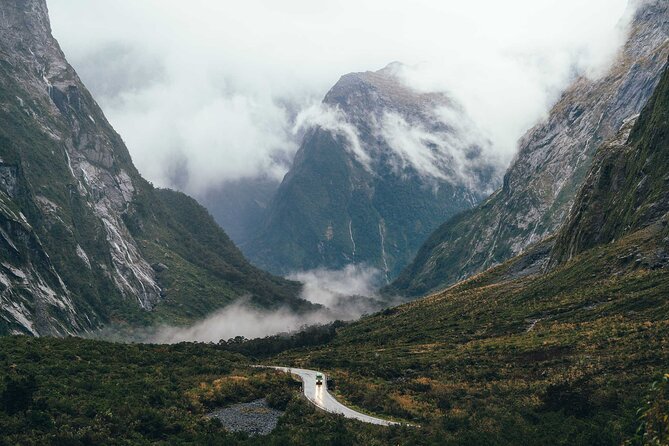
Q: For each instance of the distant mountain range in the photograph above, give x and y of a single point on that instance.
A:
(87, 242)
(380, 167)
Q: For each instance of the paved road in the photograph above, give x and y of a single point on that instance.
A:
(321, 398)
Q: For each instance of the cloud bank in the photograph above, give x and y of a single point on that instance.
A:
(344, 294)
(206, 92)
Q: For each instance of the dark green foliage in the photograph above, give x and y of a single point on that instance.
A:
(272, 345)
(93, 392)
(18, 392)
(654, 417)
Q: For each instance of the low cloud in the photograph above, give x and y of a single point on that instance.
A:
(210, 91)
(237, 320)
(330, 287)
(453, 150)
(446, 146)
(332, 119)
(344, 294)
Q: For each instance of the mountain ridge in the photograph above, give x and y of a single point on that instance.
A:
(380, 166)
(86, 241)
(553, 159)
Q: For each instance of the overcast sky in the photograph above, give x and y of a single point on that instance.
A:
(206, 91)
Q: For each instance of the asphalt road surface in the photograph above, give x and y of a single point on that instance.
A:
(320, 397)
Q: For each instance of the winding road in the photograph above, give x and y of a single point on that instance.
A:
(321, 398)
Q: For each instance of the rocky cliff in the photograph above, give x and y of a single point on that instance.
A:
(553, 159)
(85, 240)
(627, 188)
(379, 168)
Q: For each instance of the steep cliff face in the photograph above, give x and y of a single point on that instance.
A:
(78, 224)
(552, 162)
(379, 168)
(627, 188)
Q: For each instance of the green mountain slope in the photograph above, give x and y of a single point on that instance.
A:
(563, 356)
(85, 239)
(628, 186)
(359, 191)
(554, 158)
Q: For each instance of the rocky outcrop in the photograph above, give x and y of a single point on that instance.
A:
(79, 227)
(552, 162)
(627, 188)
(380, 166)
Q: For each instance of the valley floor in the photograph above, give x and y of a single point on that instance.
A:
(563, 358)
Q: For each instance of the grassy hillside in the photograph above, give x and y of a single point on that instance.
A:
(564, 358)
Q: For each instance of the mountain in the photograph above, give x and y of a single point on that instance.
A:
(239, 206)
(627, 188)
(560, 356)
(576, 355)
(379, 168)
(554, 157)
(85, 239)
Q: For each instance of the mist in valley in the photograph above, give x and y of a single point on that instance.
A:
(344, 295)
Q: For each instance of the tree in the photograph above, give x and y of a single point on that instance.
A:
(18, 394)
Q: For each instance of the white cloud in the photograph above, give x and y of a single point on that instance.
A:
(455, 150)
(345, 295)
(328, 287)
(217, 85)
(332, 119)
(235, 320)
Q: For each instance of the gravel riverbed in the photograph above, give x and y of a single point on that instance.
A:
(255, 418)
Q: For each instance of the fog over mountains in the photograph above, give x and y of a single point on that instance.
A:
(332, 183)
(238, 103)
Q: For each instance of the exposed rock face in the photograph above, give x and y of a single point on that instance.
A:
(380, 166)
(79, 227)
(627, 188)
(96, 157)
(551, 165)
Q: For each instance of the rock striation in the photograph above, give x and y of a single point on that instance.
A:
(79, 227)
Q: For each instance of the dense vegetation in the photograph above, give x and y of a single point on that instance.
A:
(78, 392)
(564, 358)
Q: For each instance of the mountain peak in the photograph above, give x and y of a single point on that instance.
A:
(370, 91)
(374, 177)
(25, 22)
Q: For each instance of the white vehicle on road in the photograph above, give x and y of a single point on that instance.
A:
(315, 388)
